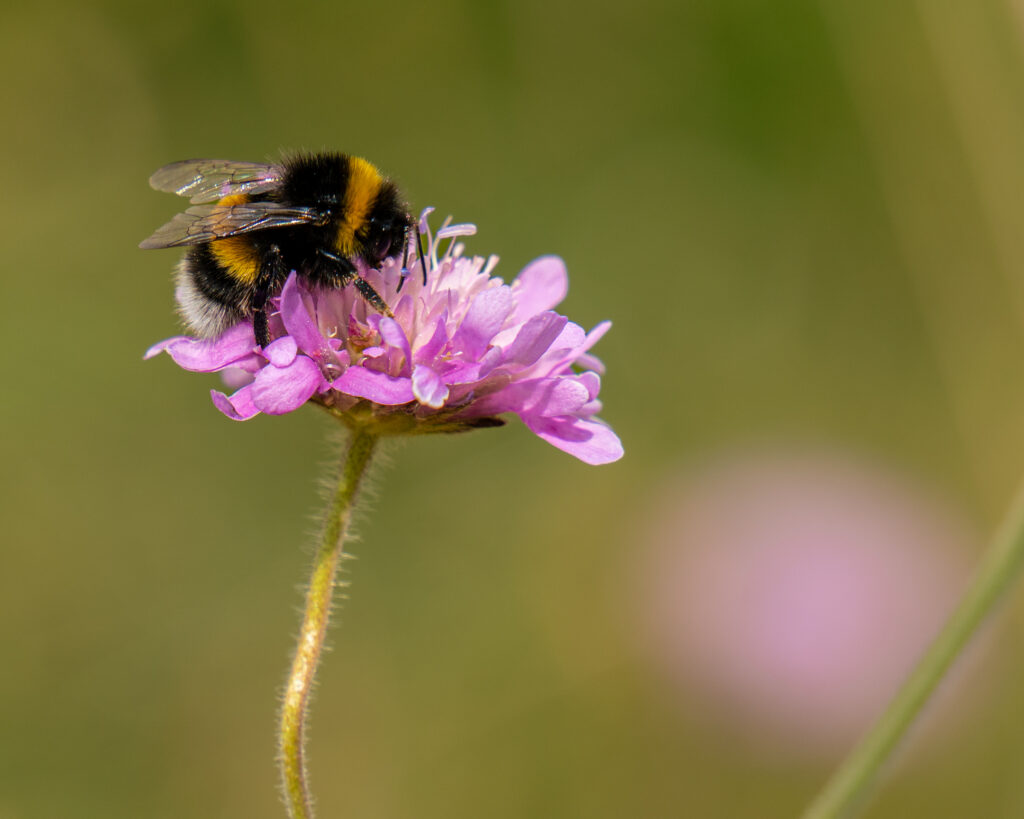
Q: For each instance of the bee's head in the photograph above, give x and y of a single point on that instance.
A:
(386, 228)
(384, 239)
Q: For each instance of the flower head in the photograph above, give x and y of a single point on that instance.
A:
(461, 350)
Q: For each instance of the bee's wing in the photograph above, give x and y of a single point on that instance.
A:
(204, 223)
(207, 180)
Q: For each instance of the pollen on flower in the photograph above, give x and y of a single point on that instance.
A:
(462, 349)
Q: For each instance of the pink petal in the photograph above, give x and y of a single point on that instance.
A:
(541, 285)
(534, 338)
(572, 338)
(236, 377)
(563, 351)
(239, 407)
(540, 397)
(162, 346)
(590, 441)
(208, 355)
(375, 386)
(404, 311)
(297, 314)
(428, 350)
(488, 362)
(393, 335)
(578, 354)
(428, 387)
(282, 351)
(592, 381)
(590, 362)
(595, 336)
(278, 390)
(487, 312)
(563, 396)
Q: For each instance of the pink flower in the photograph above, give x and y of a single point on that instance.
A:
(461, 350)
(789, 596)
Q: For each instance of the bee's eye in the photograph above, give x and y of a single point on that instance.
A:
(382, 245)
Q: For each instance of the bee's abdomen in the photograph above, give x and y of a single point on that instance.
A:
(238, 258)
(210, 299)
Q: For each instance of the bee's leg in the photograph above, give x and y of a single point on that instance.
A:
(271, 273)
(340, 272)
(371, 296)
(405, 263)
(423, 260)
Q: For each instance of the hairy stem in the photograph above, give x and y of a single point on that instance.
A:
(853, 781)
(314, 626)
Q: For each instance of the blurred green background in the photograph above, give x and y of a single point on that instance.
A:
(804, 219)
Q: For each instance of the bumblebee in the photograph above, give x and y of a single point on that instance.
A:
(251, 224)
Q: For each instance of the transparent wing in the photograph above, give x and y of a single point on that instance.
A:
(204, 223)
(207, 180)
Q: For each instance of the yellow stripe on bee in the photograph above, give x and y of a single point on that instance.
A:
(236, 255)
(364, 182)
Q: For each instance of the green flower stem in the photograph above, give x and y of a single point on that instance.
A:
(314, 625)
(852, 782)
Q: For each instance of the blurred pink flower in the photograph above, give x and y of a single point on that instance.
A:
(462, 349)
(796, 594)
